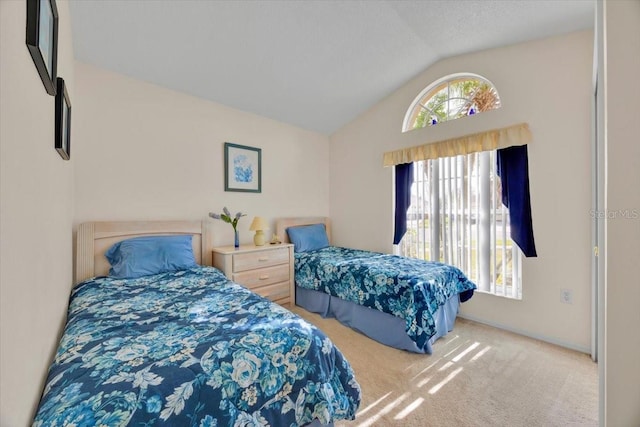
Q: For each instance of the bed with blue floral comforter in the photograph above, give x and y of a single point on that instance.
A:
(407, 288)
(191, 348)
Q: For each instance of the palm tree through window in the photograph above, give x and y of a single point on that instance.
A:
(452, 98)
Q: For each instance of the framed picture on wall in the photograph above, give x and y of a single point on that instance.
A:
(63, 120)
(242, 168)
(42, 40)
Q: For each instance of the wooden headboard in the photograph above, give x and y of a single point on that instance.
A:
(94, 238)
(283, 223)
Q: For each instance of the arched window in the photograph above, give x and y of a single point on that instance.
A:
(457, 212)
(451, 97)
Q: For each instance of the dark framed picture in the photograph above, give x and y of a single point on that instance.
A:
(242, 168)
(63, 120)
(42, 40)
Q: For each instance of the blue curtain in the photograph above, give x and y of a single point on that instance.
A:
(404, 180)
(513, 170)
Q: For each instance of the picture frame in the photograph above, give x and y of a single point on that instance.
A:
(242, 168)
(63, 120)
(42, 40)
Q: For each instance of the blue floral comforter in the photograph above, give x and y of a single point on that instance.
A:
(191, 348)
(408, 288)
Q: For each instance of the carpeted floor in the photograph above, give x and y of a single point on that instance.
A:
(477, 376)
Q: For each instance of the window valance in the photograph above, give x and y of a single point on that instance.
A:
(483, 141)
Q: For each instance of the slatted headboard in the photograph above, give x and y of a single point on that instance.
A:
(94, 238)
(283, 223)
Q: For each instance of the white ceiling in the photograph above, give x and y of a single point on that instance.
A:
(313, 64)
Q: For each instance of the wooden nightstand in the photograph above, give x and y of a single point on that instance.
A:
(266, 270)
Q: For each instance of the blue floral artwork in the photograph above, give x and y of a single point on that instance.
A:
(242, 168)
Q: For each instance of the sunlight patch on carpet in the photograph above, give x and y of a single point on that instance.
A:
(384, 411)
(409, 408)
(480, 353)
(424, 381)
(454, 350)
(451, 376)
(467, 351)
(426, 369)
(373, 405)
(445, 366)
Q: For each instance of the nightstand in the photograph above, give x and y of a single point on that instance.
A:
(266, 270)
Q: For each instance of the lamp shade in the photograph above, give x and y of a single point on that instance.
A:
(259, 224)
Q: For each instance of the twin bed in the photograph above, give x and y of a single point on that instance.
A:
(401, 302)
(165, 341)
(153, 337)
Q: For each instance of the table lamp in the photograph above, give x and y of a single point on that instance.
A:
(259, 225)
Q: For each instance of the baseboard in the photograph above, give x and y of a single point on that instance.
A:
(579, 348)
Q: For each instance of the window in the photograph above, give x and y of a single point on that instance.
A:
(457, 217)
(456, 214)
(450, 98)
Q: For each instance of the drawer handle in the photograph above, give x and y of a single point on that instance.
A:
(263, 259)
(277, 294)
(264, 277)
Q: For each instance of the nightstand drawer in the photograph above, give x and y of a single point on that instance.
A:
(262, 277)
(259, 259)
(266, 270)
(274, 292)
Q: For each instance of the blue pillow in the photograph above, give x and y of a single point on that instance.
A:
(308, 237)
(144, 256)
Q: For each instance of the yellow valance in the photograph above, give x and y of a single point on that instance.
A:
(484, 141)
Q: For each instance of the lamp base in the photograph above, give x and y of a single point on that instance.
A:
(258, 238)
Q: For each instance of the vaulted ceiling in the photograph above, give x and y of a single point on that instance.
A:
(313, 64)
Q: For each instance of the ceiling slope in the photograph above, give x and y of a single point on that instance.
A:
(312, 64)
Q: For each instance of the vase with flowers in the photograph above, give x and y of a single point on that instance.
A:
(226, 217)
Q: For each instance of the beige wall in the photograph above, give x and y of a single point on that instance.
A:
(622, 247)
(545, 83)
(36, 211)
(152, 153)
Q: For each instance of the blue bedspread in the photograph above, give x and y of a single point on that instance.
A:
(191, 349)
(408, 288)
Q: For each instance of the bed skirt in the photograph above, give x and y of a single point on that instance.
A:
(382, 327)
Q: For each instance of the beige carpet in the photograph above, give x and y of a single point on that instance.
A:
(477, 376)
